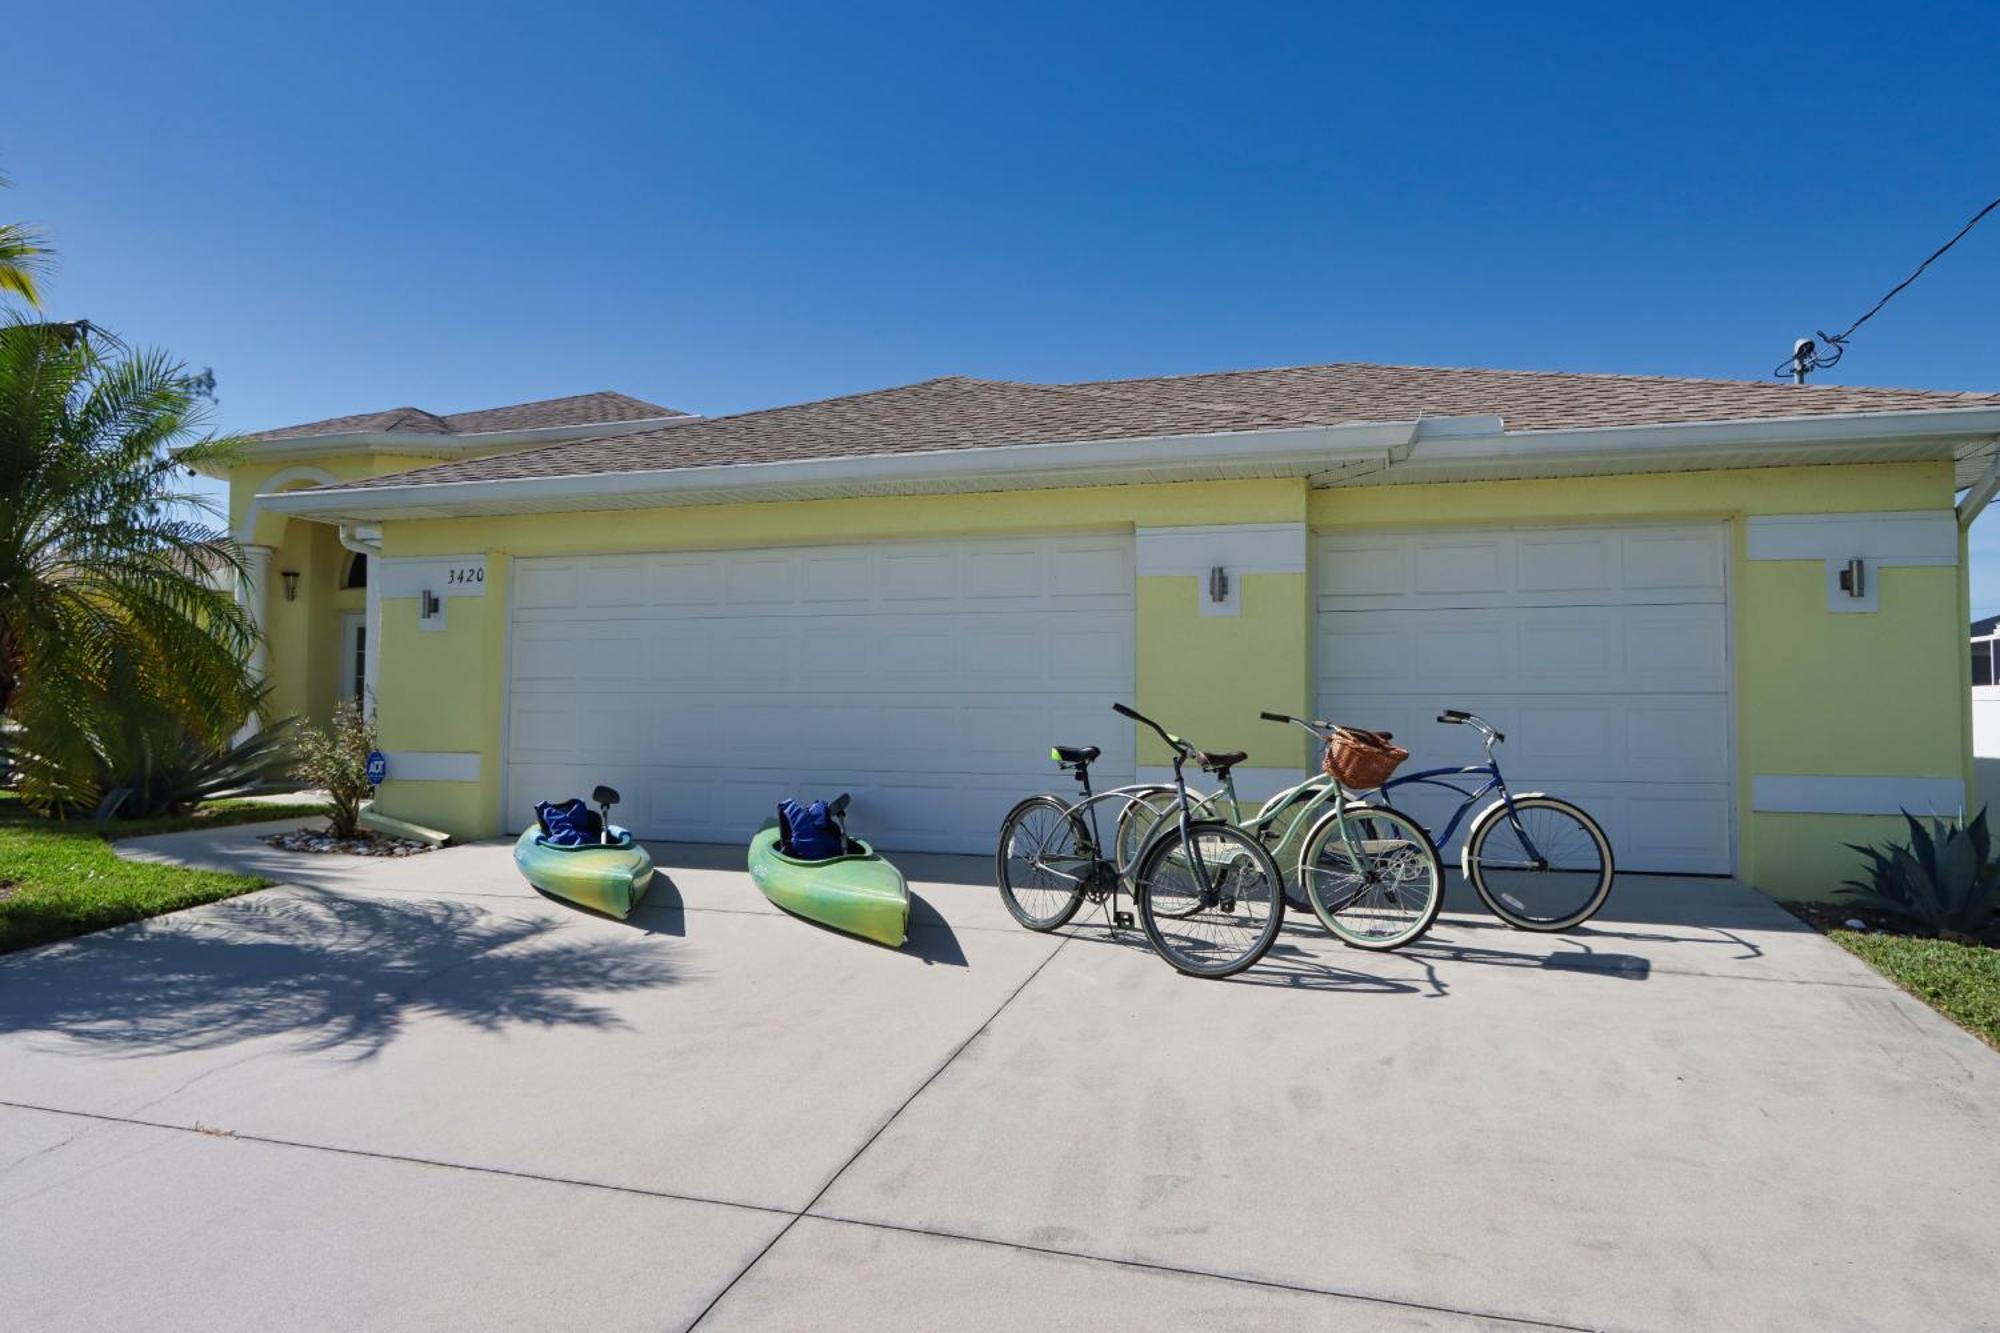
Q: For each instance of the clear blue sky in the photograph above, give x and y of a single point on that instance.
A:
(355, 206)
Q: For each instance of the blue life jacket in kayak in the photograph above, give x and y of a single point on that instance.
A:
(569, 823)
(810, 832)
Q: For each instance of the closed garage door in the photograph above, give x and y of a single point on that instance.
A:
(1602, 652)
(927, 678)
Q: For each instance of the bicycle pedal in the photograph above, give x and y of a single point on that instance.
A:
(1122, 920)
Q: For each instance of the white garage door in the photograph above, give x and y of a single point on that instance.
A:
(1602, 652)
(927, 678)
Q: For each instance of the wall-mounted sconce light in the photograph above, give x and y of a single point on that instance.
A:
(1218, 585)
(291, 578)
(427, 605)
(1853, 578)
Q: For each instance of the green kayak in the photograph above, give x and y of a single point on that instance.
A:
(605, 877)
(860, 893)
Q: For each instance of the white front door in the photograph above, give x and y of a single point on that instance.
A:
(353, 675)
(1602, 652)
(929, 679)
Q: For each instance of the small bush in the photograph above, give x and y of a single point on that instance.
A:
(335, 757)
(1943, 881)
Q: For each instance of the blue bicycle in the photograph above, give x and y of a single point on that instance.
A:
(1537, 862)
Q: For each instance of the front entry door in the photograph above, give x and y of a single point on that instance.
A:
(353, 655)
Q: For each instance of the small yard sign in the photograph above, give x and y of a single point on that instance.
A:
(378, 767)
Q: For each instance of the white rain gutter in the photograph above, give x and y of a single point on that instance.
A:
(1432, 441)
(1319, 447)
(1982, 491)
(1842, 428)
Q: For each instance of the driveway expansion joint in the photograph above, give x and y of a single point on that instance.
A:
(881, 1129)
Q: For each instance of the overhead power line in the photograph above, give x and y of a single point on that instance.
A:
(1809, 355)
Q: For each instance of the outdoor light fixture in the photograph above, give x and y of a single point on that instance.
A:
(291, 578)
(1218, 585)
(427, 605)
(1853, 578)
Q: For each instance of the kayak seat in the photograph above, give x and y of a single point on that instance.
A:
(1075, 754)
(1220, 761)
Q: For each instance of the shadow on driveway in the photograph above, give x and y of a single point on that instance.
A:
(335, 973)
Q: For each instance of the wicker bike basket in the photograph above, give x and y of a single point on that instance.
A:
(1361, 760)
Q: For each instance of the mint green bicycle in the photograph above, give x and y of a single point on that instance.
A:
(1370, 873)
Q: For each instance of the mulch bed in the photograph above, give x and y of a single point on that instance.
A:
(1836, 916)
(1825, 917)
(361, 844)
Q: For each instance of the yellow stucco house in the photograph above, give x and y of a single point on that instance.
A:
(1727, 617)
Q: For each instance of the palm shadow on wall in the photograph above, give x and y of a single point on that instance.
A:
(332, 973)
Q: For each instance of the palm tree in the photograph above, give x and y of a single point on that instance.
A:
(22, 257)
(115, 593)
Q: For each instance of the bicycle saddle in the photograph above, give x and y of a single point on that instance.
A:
(1220, 762)
(1074, 754)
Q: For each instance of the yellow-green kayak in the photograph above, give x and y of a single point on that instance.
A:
(861, 893)
(605, 877)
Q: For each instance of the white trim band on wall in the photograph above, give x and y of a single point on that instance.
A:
(1800, 794)
(444, 575)
(431, 766)
(1240, 548)
(1897, 537)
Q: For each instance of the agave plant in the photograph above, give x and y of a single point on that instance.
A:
(1943, 881)
(165, 769)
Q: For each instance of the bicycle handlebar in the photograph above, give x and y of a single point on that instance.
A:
(1459, 717)
(1179, 745)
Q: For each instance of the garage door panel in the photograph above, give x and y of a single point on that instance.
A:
(1521, 567)
(1602, 652)
(686, 583)
(1556, 562)
(928, 679)
(1099, 572)
(1454, 567)
(1582, 649)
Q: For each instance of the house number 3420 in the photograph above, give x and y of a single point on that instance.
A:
(464, 574)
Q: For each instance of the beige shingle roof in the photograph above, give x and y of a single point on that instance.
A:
(960, 413)
(583, 409)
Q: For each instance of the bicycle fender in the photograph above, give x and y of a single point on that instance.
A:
(1492, 809)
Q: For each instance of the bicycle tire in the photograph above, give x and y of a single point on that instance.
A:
(1543, 910)
(1061, 907)
(1377, 916)
(1182, 940)
(1139, 820)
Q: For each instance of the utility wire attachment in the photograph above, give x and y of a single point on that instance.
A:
(1808, 355)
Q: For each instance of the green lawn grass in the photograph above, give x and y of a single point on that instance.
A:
(60, 880)
(1960, 981)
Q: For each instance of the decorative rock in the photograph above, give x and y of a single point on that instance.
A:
(1855, 923)
(363, 844)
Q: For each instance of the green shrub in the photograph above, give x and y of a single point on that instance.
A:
(1943, 880)
(335, 758)
(139, 762)
(164, 769)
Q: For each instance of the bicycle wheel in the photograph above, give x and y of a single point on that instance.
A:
(1548, 867)
(1210, 897)
(1136, 825)
(1044, 861)
(1372, 875)
(1139, 818)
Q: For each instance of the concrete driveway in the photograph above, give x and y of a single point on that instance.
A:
(414, 1094)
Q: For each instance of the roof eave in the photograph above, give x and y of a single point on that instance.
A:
(1380, 452)
(1286, 451)
(427, 444)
